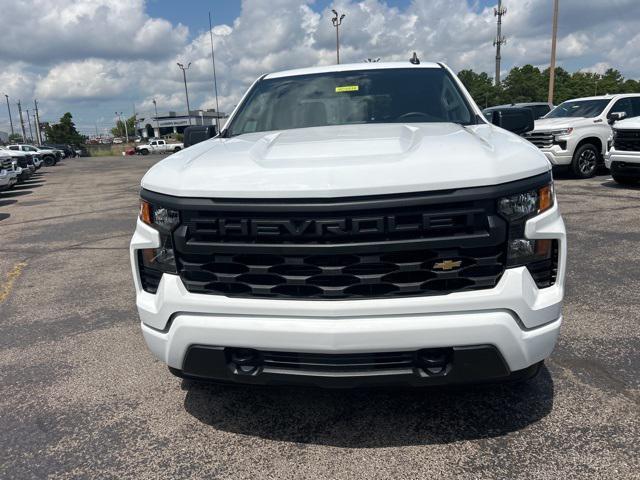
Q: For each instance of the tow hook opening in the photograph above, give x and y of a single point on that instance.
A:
(244, 361)
(434, 362)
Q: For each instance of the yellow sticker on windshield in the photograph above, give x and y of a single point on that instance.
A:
(347, 88)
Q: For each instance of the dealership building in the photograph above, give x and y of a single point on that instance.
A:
(172, 122)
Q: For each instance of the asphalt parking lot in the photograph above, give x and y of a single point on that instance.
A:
(83, 398)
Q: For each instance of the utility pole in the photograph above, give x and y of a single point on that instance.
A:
(24, 134)
(157, 121)
(38, 132)
(9, 110)
(215, 81)
(186, 91)
(337, 21)
(500, 40)
(29, 122)
(552, 66)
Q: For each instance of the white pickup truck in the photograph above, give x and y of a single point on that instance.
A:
(353, 225)
(159, 146)
(575, 133)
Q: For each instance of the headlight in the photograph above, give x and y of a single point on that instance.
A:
(527, 204)
(160, 217)
(517, 209)
(562, 132)
(164, 220)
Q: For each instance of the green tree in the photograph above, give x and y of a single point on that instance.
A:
(525, 84)
(64, 131)
(119, 130)
(15, 138)
(481, 88)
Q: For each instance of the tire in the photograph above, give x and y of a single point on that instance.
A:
(49, 161)
(144, 151)
(623, 180)
(585, 161)
(177, 149)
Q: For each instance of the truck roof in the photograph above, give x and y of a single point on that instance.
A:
(609, 96)
(347, 67)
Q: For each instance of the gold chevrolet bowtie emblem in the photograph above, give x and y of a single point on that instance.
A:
(447, 265)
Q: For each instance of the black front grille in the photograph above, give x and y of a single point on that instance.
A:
(627, 140)
(376, 274)
(409, 246)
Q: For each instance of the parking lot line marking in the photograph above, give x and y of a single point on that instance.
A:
(7, 285)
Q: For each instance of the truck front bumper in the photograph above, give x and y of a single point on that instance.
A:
(616, 159)
(557, 156)
(516, 321)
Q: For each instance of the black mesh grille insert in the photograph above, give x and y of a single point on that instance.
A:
(627, 140)
(340, 254)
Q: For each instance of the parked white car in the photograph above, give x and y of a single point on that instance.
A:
(575, 133)
(623, 158)
(159, 146)
(353, 225)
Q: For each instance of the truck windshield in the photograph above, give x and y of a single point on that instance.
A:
(402, 95)
(580, 108)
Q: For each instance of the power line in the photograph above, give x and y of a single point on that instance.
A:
(500, 40)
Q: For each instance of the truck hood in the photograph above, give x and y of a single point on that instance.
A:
(632, 123)
(546, 124)
(348, 160)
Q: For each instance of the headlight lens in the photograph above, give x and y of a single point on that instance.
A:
(164, 220)
(161, 217)
(563, 132)
(527, 204)
(517, 209)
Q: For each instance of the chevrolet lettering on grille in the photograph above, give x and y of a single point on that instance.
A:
(346, 226)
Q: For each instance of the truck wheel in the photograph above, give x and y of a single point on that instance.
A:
(144, 151)
(49, 161)
(626, 180)
(177, 149)
(585, 161)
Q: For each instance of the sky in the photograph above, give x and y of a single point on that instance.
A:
(94, 58)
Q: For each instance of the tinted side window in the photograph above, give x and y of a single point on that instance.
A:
(635, 106)
(622, 105)
(14, 147)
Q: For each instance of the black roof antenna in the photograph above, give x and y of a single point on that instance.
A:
(415, 60)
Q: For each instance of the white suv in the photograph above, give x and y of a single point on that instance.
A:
(352, 225)
(575, 133)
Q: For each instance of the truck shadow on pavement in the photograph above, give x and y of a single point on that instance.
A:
(371, 418)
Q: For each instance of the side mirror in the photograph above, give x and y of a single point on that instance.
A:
(197, 134)
(615, 116)
(516, 120)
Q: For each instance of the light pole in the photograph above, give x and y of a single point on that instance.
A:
(9, 110)
(554, 39)
(337, 21)
(155, 106)
(24, 134)
(29, 122)
(186, 91)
